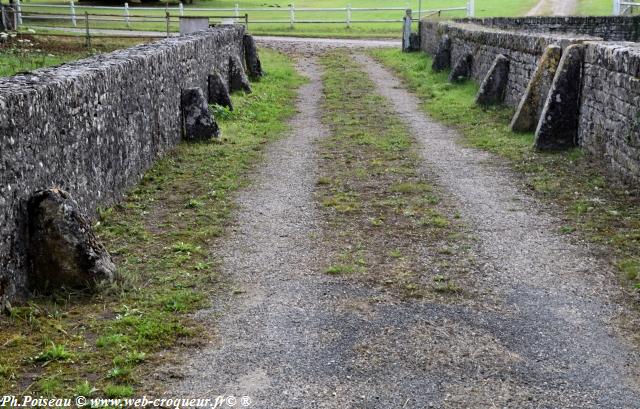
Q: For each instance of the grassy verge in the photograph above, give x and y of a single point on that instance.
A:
(388, 225)
(160, 237)
(595, 7)
(27, 53)
(600, 211)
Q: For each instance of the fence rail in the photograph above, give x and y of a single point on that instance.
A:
(127, 15)
(622, 7)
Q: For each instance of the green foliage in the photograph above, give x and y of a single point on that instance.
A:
(107, 341)
(187, 248)
(631, 268)
(85, 389)
(6, 372)
(118, 391)
(22, 55)
(50, 386)
(119, 373)
(340, 269)
(434, 219)
(54, 352)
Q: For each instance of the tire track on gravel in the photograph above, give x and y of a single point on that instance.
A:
(297, 338)
(560, 299)
(269, 257)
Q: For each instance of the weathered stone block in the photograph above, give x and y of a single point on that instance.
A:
(442, 57)
(63, 250)
(610, 90)
(462, 69)
(251, 57)
(197, 121)
(558, 126)
(609, 28)
(218, 91)
(495, 82)
(93, 126)
(237, 77)
(532, 102)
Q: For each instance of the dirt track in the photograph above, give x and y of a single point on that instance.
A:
(554, 8)
(297, 338)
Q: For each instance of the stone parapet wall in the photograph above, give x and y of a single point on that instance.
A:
(609, 114)
(523, 49)
(610, 28)
(92, 127)
(609, 126)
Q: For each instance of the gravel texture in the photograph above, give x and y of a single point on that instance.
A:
(545, 336)
(554, 8)
(561, 302)
(315, 46)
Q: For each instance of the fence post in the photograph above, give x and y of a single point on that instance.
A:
(168, 18)
(616, 7)
(126, 14)
(86, 26)
(18, 13)
(349, 15)
(471, 8)
(246, 21)
(406, 31)
(181, 8)
(72, 11)
(292, 15)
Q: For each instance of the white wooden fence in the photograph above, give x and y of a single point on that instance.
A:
(344, 15)
(622, 7)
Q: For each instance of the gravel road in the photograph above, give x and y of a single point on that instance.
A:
(546, 336)
(296, 337)
(554, 8)
(317, 46)
(560, 300)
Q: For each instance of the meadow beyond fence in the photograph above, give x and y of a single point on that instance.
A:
(361, 16)
(347, 18)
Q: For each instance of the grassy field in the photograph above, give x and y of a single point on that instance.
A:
(28, 53)
(592, 207)
(595, 7)
(160, 236)
(279, 10)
